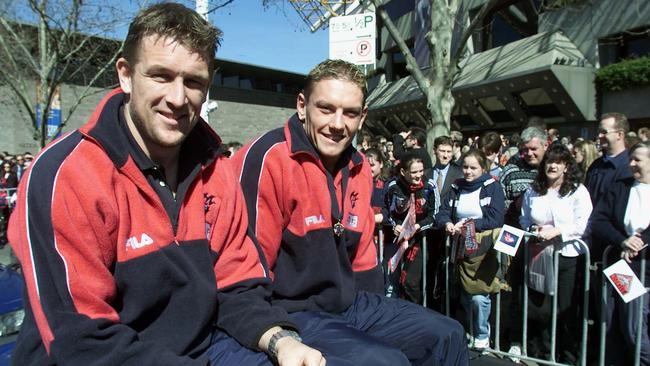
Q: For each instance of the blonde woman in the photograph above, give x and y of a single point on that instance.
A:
(585, 153)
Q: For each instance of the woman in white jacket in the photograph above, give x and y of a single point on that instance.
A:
(557, 207)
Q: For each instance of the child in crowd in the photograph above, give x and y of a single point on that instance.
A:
(410, 191)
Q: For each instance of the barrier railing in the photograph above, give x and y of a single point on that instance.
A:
(605, 288)
(5, 196)
(582, 350)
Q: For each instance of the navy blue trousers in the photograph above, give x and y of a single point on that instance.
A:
(375, 330)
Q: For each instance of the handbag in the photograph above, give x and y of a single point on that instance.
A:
(541, 275)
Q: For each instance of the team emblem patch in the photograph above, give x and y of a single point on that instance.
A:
(353, 221)
(354, 197)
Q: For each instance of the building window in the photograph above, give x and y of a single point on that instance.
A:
(505, 24)
(398, 66)
(629, 44)
(398, 8)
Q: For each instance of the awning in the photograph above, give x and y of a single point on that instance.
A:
(543, 75)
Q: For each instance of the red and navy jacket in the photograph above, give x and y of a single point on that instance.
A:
(109, 280)
(292, 203)
(398, 194)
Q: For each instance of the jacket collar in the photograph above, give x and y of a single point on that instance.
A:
(299, 144)
(103, 128)
(618, 160)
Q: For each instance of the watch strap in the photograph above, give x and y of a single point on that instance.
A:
(279, 335)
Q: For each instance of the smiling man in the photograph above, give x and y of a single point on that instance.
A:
(308, 196)
(132, 230)
(613, 165)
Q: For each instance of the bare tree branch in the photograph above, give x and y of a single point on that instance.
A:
(462, 44)
(60, 49)
(411, 63)
(437, 84)
(217, 7)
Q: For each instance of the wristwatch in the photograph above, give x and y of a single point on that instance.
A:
(279, 335)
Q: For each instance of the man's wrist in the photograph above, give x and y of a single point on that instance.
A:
(272, 348)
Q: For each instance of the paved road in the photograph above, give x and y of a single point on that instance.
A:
(488, 360)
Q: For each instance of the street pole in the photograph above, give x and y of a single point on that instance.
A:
(202, 9)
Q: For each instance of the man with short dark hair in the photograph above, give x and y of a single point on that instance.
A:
(308, 193)
(444, 173)
(414, 141)
(132, 230)
(490, 144)
(19, 166)
(613, 164)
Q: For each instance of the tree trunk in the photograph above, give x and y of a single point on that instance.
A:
(41, 98)
(439, 99)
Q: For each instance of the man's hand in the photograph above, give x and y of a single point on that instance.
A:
(293, 353)
(404, 134)
(628, 255)
(450, 228)
(290, 351)
(631, 247)
(397, 230)
(633, 243)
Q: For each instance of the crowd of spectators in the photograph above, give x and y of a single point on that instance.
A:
(573, 194)
(570, 193)
(13, 166)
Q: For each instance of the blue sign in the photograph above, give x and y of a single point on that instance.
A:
(53, 121)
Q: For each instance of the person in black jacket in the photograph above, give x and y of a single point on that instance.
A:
(621, 220)
(8, 183)
(411, 188)
(444, 173)
(413, 141)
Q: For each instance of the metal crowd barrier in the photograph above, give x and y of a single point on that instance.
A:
(605, 291)
(524, 336)
(5, 196)
(497, 308)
